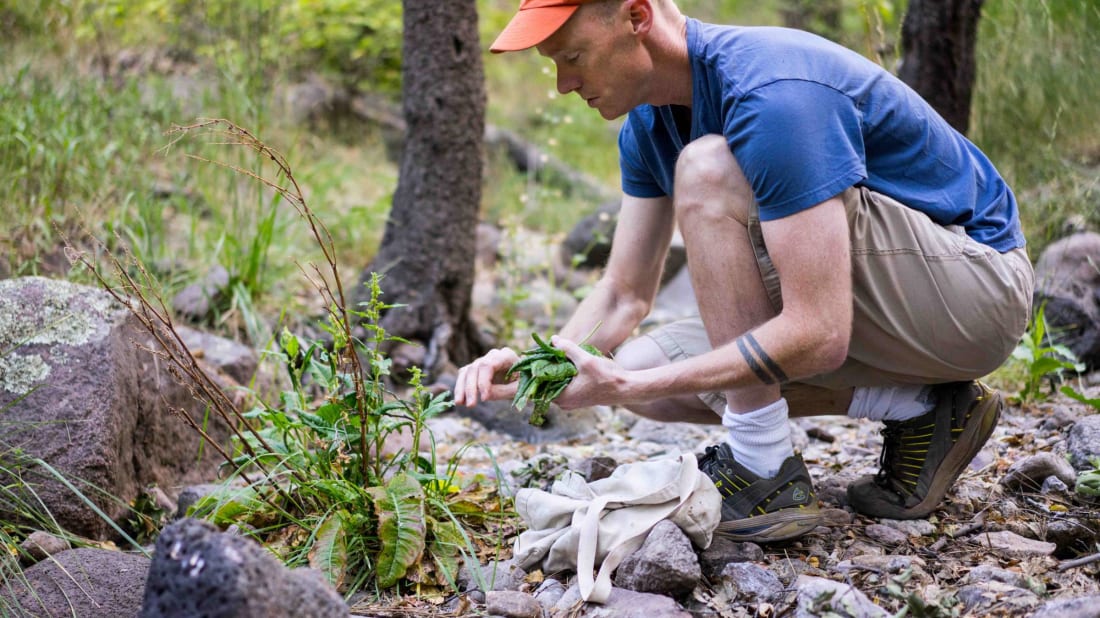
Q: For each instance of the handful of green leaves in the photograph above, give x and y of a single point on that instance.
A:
(544, 372)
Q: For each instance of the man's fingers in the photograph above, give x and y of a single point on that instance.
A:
(572, 350)
(476, 382)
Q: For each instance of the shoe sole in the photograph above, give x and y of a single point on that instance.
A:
(781, 525)
(956, 460)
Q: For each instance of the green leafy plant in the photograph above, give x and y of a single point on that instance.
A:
(914, 604)
(310, 475)
(1042, 359)
(1072, 393)
(1088, 481)
(544, 371)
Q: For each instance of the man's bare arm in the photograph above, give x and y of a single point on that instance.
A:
(811, 253)
(625, 293)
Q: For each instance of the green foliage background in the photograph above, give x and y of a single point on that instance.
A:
(81, 141)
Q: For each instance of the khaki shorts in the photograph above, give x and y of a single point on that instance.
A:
(931, 304)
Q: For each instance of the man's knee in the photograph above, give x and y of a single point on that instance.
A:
(641, 353)
(706, 170)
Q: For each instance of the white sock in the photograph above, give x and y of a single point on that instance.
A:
(761, 439)
(891, 403)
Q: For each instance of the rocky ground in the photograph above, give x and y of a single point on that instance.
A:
(1013, 538)
(1007, 541)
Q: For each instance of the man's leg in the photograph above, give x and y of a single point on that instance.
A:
(713, 200)
(767, 490)
(932, 307)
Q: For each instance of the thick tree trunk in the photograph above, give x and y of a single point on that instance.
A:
(427, 252)
(938, 39)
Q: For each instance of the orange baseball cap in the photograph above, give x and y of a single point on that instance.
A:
(534, 23)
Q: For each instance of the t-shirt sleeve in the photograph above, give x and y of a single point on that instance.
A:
(799, 144)
(637, 179)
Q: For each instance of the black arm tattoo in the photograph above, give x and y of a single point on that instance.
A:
(767, 360)
(776, 374)
(751, 361)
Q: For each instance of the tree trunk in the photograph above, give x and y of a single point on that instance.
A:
(427, 251)
(938, 39)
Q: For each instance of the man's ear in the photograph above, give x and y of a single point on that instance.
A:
(641, 15)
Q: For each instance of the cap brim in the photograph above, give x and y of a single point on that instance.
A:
(532, 26)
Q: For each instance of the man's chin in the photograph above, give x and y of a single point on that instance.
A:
(610, 114)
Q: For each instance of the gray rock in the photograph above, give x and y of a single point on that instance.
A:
(1073, 535)
(588, 244)
(496, 575)
(79, 394)
(198, 571)
(1083, 442)
(198, 300)
(685, 436)
(1081, 607)
(236, 360)
(752, 582)
(985, 573)
(620, 603)
(879, 563)
(1053, 485)
(1028, 474)
(886, 535)
(817, 596)
(1012, 545)
(664, 564)
(911, 527)
(549, 593)
(40, 544)
(561, 425)
(723, 551)
(596, 468)
(1009, 600)
(1057, 416)
(1067, 285)
(512, 604)
(833, 489)
(78, 582)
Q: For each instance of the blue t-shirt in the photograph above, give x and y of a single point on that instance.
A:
(806, 119)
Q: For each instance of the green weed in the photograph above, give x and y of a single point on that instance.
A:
(310, 475)
(1088, 481)
(915, 606)
(1072, 393)
(1042, 359)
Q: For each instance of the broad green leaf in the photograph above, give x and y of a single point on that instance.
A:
(1070, 392)
(228, 505)
(446, 546)
(399, 507)
(329, 553)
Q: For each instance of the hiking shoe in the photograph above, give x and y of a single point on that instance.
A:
(922, 457)
(761, 510)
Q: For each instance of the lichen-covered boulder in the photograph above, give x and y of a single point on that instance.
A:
(199, 571)
(78, 392)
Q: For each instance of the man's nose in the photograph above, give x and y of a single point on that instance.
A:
(567, 83)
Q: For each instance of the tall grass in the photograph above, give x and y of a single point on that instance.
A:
(1036, 110)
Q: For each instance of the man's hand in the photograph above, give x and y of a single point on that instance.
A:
(599, 380)
(485, 379)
